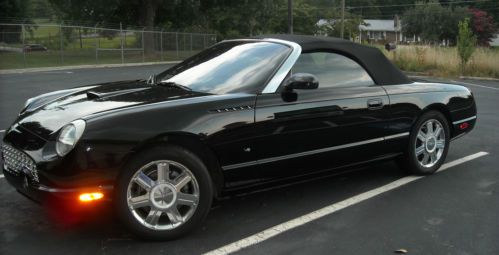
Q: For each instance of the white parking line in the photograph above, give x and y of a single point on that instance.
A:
(1, 131)
(1, 176)
(476, 85)
(291, 224)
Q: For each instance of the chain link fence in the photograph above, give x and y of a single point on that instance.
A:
(29, 45)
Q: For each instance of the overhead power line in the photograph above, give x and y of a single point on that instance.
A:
(393, 14)
(416, 4)
(397, 5)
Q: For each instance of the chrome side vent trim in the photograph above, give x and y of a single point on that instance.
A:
(232, 109)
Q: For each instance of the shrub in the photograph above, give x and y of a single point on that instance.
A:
(445, 62)
(466, 42)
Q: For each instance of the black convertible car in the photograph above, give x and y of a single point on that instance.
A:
(240, 114)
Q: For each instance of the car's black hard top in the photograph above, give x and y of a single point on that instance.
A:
(382, 71)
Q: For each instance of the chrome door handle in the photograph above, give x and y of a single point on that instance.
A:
(374, 104)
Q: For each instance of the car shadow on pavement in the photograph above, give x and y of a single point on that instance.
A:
(50, 230)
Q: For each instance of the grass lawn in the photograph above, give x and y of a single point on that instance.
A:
(13, 60)
(50, 38)
(82, 51)
(444, 61)
(79, 47)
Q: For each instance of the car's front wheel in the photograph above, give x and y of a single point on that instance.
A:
(428, 144)
(164, 193)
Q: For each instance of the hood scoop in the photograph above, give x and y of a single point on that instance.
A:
(102, 95)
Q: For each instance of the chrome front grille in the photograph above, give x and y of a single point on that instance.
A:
(16, 162)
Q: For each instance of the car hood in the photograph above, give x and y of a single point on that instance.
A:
(46, 114)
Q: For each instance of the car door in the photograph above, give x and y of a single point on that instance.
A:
(342, 122)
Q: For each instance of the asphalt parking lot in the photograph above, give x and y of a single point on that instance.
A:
(455, 211)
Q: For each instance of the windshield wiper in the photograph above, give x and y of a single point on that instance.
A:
(174, 85)
(153, 80)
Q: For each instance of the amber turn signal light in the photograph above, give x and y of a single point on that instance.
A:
(89, 197)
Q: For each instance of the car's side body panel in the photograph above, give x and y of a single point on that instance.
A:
(314, 133)
(222, 123)
(333, 128)
(409, 101)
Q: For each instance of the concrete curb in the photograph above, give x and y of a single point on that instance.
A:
(417, 74)
(62, 68)
(427, 75)
(478, 78)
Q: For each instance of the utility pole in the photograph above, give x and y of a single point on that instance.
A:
(342, 18)
(290, 16)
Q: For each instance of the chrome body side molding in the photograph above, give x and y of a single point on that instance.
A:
(307, 153)
(464, 120)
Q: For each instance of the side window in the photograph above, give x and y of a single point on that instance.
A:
(332, 70)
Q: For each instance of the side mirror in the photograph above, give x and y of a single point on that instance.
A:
(298, 81)
(301, 81)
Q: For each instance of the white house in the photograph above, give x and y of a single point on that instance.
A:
(388, 30)
(495, 41)
(376, 30)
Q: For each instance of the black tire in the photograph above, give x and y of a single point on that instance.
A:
(174, 153)
(408, 161)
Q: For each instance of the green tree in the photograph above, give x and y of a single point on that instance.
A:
(433, 22)
(40, 9)
(333, 28)
(111, 13)
(17, 11)
(466, 42)
(304, 18)
(242, 18)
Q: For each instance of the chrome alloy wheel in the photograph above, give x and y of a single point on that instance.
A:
(430, 143)
(163, 195)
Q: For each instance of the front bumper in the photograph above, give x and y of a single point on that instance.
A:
(44, 194)
(29, 167)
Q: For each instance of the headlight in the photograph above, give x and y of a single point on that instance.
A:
(69, 136)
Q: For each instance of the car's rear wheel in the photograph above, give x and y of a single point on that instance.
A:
(164, 193)
(428, 144)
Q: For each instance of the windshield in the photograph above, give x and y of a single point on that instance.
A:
(229, 67)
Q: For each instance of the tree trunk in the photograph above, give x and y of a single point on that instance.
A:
(147, 16)
(251, 25)
(81, 41)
